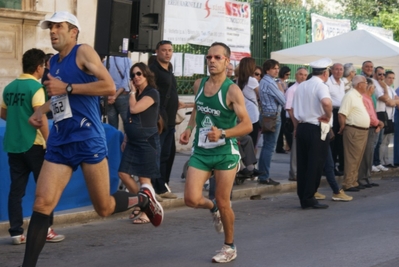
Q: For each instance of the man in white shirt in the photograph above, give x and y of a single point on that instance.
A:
(337, 92)
(383, 100)
(308, 122)
(388, 132)
(300, 76)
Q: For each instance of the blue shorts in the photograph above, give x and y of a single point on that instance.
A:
(91, 151)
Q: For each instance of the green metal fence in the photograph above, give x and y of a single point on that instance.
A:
(273, 27)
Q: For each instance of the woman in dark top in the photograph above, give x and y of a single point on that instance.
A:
(141, 145)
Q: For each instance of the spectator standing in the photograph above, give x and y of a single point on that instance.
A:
(25, 145)
(283, 75)
(141, 145)
(375, 127)
(383, 99)
(337, 92)
(354, 121)
(309, 122)
(250, 89)
(300, 76)
(118, 103)
(389, 131)
(271, 99)
(167, 87)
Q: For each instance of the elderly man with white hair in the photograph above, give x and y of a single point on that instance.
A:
(354, 123)
(349, 73)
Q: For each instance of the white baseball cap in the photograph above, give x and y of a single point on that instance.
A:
(61, 16)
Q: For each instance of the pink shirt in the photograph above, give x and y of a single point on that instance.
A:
(368, 103)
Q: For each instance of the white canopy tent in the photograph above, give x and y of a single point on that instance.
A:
(352, 47)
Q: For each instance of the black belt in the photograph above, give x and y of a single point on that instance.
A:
(356, 127)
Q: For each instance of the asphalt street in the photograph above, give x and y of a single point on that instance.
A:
(272, 231)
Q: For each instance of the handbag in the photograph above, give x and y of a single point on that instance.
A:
(180, 116)
(268, 123)
(389, 128)
(383, 116)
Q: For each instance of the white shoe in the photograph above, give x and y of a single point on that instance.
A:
(217, 221)
(382, 168)
(18, 239)
(375, 169)
(226, 254)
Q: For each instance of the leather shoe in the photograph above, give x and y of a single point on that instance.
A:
(368, 185)
(256, 172)
(315, 206)
(268, 181)
(374, 184)
(338, 173)
(360, 186)
(352, 189)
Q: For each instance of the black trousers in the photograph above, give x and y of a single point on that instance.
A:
(337, 144)
(21, 165)
(311, 157)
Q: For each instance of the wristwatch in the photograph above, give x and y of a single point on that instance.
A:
(69, 89)
(223, 134)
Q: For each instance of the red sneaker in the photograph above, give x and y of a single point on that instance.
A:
(53, 237)
(154, 211)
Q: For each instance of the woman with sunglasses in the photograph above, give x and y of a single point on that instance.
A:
(141, 145)
(281, 81)
(258, 73)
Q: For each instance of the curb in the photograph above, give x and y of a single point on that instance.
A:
(250, 190)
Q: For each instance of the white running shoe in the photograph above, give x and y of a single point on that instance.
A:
(374, 169)
(18, 239)
(227, 254)
(382, 168)
(217, 221)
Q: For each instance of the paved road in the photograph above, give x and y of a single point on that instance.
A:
(272, 231)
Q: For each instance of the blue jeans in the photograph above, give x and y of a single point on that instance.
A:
(396, 139)
(120, 107)
(376, 158)
(266, 154)
(329, 172)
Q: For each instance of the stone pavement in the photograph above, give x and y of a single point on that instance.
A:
(279, 172)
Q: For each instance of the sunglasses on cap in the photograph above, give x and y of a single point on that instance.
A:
(162, 43)
(132, 75)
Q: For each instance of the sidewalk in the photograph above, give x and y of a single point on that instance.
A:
(279, 172)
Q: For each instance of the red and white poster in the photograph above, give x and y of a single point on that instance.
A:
(203, 22)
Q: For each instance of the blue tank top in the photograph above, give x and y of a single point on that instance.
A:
(85, 122)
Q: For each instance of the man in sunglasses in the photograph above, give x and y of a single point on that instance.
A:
(218, 104)
(381, 93)
(167, 86)
(77, 78)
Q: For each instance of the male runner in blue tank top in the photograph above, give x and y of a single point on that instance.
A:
(77, 78)
(218, 104)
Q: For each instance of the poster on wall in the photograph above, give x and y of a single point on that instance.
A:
(324, 28)
(376, 30)
(203, 22)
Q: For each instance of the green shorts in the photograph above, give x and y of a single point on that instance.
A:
(209, 163)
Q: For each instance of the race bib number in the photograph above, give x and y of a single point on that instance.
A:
(60, 107)
(204, 142)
